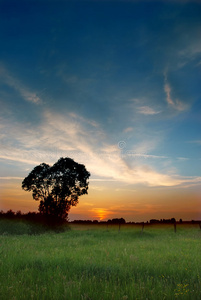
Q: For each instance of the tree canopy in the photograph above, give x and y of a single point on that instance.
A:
(57, 187)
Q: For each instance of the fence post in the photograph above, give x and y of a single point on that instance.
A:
(175, 227)
(142, 227)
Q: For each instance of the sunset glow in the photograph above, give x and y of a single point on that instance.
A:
(100, 214)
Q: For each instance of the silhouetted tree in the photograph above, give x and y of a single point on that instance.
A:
(117, 221)
(10, 214)
(57, 187)
(18, 214)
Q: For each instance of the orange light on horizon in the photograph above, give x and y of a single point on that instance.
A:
(101, 214)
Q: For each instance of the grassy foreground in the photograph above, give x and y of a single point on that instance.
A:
(96, 262)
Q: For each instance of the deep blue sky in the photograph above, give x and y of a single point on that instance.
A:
(114, 85)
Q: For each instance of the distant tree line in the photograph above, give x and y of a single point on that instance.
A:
(34, 217)
(113, 221)
(172, 220)
(37, 217)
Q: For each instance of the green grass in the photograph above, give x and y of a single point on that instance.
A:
(96, 262)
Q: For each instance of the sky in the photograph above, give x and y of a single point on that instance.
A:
(115, 85)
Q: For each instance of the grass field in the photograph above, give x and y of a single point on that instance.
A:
(96, 262)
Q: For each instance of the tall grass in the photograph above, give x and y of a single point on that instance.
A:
(96, 262)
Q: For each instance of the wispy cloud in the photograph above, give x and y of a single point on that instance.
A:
(18, 86)
(147, 144)
(198, 142)
(193, 49)
(175, 104)
(11, 178)
(20, 156)
(146, 110)
(182, 158)
(142, 155)
(86, 142)
(128, 129)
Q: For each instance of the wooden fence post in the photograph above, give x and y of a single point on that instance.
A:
(175, 227)
(142, 227)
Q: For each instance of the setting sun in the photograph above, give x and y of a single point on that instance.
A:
(100, 213)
